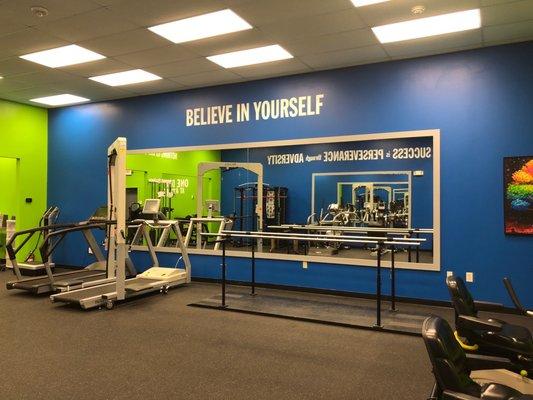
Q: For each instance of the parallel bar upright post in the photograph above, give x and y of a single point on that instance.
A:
(418, 248)
(378, 286)
(253, 267)
(224, 273)
(393, 280)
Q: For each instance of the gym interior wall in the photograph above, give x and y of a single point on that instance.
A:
(478, 99)
(23, 163)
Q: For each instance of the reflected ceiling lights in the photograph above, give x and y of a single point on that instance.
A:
(63, 56)
(126, 77)
(257, 55)
(60, 100)
(201, 26)
(430, 26)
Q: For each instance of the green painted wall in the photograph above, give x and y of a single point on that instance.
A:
(184, 168)
(8, 186)
(23, 137)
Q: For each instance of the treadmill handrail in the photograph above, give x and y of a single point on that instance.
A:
(46, 250)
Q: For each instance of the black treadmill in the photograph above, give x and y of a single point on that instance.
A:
(65, 280)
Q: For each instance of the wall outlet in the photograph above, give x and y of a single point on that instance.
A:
(304, 264)
(449, 273)
(470, 277)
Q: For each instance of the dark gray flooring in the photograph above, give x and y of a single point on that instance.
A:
(351, 311)
(156, 347)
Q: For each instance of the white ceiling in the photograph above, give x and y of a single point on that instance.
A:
(321, 34)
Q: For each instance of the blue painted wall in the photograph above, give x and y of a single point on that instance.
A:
(480, 100)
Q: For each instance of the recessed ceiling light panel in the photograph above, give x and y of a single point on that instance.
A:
(362, 3)
(60, 100)
(430, 26)
(126, 77)
(63, 56)
(201, 26)
(257, 55)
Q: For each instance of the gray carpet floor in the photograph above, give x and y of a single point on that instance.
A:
(156, 347)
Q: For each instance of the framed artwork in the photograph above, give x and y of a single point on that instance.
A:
(518, 195)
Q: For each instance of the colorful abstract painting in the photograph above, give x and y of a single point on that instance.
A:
(518, 200)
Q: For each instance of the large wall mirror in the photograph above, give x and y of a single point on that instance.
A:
(373, 185)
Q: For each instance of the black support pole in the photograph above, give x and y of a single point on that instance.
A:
(253, 267)
(223, 273)
(409, 247)
(392, 280)
(418, 248)
(378, 287)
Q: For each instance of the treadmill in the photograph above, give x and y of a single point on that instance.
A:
(33, 267)
(156, 278)
(65, 280)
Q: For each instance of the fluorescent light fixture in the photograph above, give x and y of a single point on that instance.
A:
(60, 100)
(257, 55)
(126, 77)
(63, 56)
(431, 26)
(201, 26)
(362, 3)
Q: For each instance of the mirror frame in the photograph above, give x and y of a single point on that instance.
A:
(431, 133)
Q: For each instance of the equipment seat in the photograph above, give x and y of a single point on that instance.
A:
(452, 367)
(492, 336)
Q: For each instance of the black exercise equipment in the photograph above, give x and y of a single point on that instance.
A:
(452, 367)
(490, 336)
(514, 298)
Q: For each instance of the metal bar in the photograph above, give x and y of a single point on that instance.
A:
(319, 238)
(253, 267)
(299, 235)
(417, 249)
(224, 274)
(350, 228)
(393, 280)
(378, 288)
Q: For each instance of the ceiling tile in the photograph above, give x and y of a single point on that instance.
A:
(46, 75)
(24, 95)
(345, 58)
(11, 84)
(263, 12)
(186, 67)
(7, 25)
(16, 66)
(315, 25)
(484, 3)
(507, 32)
(400, 10)
(208, 78)
(275, 68)
(231, 42)
(160, 86)
(434, 44)
(160, 55)
(338, 41)
(125, 42)
(98, 67)
(507, 13)
(90, 89)
(147, 13)
(19, 10)
(27, 41)
(88, 25)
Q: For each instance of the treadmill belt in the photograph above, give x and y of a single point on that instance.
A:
(77, 295)
(34, 284)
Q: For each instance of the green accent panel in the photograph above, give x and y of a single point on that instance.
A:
(183, 170)
(23, 163)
